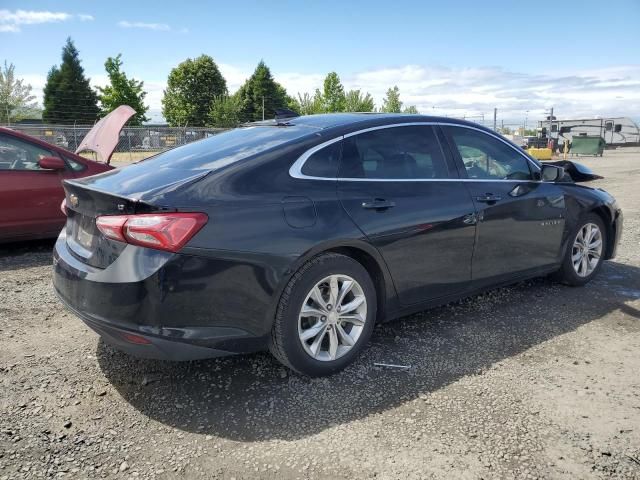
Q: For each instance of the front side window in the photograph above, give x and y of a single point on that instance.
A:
(407, 152)
(74, 165)
(485, 157)
(16, 154)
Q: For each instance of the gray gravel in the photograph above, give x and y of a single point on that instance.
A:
(537, 380)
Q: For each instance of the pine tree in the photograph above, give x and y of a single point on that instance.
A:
(68, 96)
(261, 95)
(122, 91)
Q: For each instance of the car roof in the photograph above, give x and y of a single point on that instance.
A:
(331, 120)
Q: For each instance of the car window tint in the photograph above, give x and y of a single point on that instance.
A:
(323, 163)
(485, 157)
(16, 154)
(410, 152)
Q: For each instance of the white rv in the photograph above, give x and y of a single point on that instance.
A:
(618, 131)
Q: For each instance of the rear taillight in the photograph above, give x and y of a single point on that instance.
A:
(162, 231)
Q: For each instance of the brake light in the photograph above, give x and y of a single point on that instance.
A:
(162, 231)
(111, 226)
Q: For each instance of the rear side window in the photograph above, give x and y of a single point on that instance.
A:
(323, 163)
(408, 153)
(486, 157)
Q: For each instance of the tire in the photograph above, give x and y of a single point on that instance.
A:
(568, 273)
(290, 325)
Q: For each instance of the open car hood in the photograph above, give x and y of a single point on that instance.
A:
(103, 137)
(577, 171)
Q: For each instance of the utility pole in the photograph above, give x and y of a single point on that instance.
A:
(495, 116)
(263, 108)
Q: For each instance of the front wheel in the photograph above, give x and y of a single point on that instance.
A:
(585, 253)
(325, 316)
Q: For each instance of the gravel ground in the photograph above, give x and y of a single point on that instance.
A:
(537, 380)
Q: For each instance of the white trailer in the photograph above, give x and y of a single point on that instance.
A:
(616, 131)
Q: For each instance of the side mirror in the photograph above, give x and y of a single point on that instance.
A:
(52, 163)
(552, 173)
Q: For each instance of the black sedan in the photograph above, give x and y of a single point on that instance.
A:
(299, 234)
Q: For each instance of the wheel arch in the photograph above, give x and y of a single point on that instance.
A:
(607, 219)
(362, 252)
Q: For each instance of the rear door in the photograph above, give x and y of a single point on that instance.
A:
(520, 219)
(30, 196)
(396, 185)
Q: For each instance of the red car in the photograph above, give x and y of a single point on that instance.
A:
(32, 171)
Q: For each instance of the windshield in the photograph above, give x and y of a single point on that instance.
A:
(226, 148)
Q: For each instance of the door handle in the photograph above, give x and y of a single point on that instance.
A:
(378, 204)
(489, 198)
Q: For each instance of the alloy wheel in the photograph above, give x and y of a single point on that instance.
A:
(587, 249)
(332, 317)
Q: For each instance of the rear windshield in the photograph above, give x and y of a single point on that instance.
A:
(226, 148)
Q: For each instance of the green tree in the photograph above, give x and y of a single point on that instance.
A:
(68, 96)
(411, 109)
(355, 101)
(122, 91)
(308, 105)
(392, 103)
(16, 101)
(225, 111)
(333, 99)
(191, 89)
(261, 96)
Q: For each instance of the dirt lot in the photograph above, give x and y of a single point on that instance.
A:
(533, 381)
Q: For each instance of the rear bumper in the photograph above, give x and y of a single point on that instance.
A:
(143, 345)
(144, 305)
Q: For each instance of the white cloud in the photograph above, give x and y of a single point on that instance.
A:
(476, 91)
(470, 92)
(235, 76)
(12, 21)
(147, 26)
(9, 28)
(85, 18)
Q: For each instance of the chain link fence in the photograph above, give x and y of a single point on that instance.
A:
(135, 143)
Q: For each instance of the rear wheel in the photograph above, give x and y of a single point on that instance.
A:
(325, 316)
(585, 253)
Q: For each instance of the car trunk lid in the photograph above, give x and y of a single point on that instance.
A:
(83, 206)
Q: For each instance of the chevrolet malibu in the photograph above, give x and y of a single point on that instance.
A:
(299, 234)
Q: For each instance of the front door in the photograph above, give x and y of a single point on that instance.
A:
(520, 219)
(30, 196)
(396, 185)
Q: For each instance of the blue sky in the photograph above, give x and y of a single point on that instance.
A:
(454, 57)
